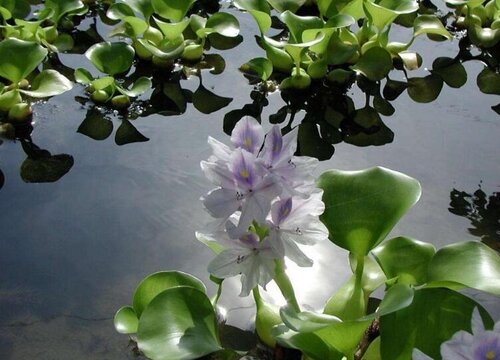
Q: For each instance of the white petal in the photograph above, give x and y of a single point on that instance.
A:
(458, 347)
(221, 203)
(419, 355)
(293, 252)
(220, 150)
(477, 322)
(230, 262)
(250, 277)
(219, 174)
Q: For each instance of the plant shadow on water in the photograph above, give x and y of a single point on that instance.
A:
(482, 210)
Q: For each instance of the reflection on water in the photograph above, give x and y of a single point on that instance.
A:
(482, 210)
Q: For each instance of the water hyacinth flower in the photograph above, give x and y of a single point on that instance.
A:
(250, 257)
(482, 344)
(260, 185)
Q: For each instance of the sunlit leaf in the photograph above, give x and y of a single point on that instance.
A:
(405, 258)
(385, 12)
(260, 67)
(430, 24)
(224, 24)
(363, 206)
(140, 86)
(470, 264)
(155, 283)
(126, 321)
(48, 83)
(174, 30)
(348, 302)
(298, 24)
(18, 58)
(64, 7)
(286, 5)
(111, 58)
(373, 276)
(179, 323)
(174, 10)
(306, 321)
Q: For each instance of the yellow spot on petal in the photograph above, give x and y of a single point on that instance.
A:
(244, 173)
(490, 355)
(248, 141)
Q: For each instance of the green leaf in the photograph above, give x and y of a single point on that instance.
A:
(260, 67)
(263, 20)
(118, 11)
(172, 31)
(375, 63)
(430, 24)
(166, 49)
(64, 7)
(259, 5)
(385, 12)
(174, 10)
(140, 86)
(470, 264)
(393, 89)
(488, 81)
(306, 321)
(398, 297)
(207, 102)
(83, 76)
(426, 89)
(103, 83)
(18, 58)
(127, 134)
(298, 24)
(286, 5)
(9, 98)
(156, 283)
(383, 106)
(64, 42)
(111, 58)
(179, 323)
(309, 343)
(347, 303)
(433, 317)
(450, 70)
(405, 258)
(48, 83)
(266, 317)
(363, 206)
(141, 6)
(126, 321)
(224, 24)
(344, 336)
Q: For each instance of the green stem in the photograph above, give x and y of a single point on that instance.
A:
(217, 295)
(285, 285)
(257, 297)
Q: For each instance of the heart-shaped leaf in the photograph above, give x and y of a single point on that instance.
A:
(48, 83)
(18, 58)
(470, 264)
(260, 67)
(405, 258)
(375, 63)
(111, 58)
(363, 206)
(224, 24)
(126, 321)
(450, 70)
(179, 323)
(426, 89)
(155, 283)
(488, 81)
(174, 10)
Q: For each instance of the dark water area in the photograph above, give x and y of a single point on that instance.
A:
(73, 251)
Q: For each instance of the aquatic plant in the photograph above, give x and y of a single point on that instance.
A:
(18, 60)
(112, 59)
(266, 207)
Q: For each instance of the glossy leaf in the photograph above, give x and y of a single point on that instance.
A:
(432, 318)
(118, 11)
(385, 12)
(430, 24)
(298, 24)
(375, 63)
(397, 297)
(179, 323)
(426, 89)
(127, 134)
(224, 24)
(267, 316)
(8, 99)
(166, 49)
(344, 336)
(18, 58)
(469, 264)
(111, 58)
(63, 7)
(363, 206)
(83, 76)
(174, 10)
(306, 321)
(174, 30)
(286, 5)
(126, 321)
(48, 83)
(156, 283)
(347, 303)
(140, 86)
(373, 276)
(405, 258)
(207, 102)
(143, 7)
(260, 67)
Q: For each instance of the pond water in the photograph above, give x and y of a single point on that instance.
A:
(72, 251)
